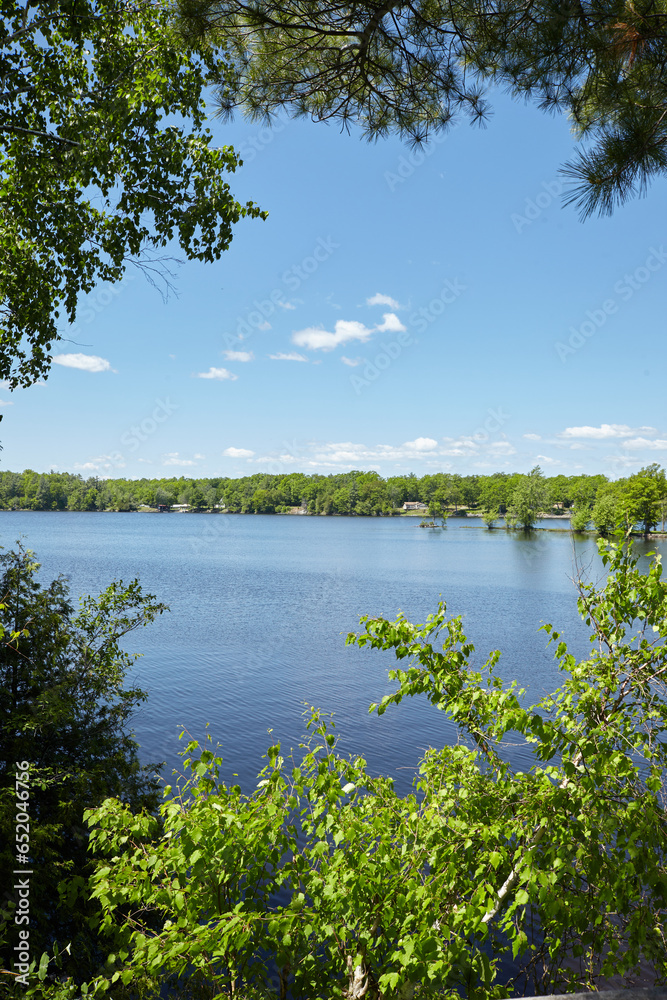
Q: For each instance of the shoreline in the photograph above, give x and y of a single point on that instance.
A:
(459, 516)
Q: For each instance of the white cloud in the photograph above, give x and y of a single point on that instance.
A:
(423, 451)
(173, 458)
(642, 442)
(548, 461)
(391, 324)
(532, 437)
(217, 373)
(264, 325)
(102, 463)
(382, 300)
(604, 431)
(501, 448)
(6, 402)
(239, 355)
(238, 453)
(84, 362)
(422, 444)
(316, 339)
(286, 305)
(292, 356)
(352, 362)
(353, 454)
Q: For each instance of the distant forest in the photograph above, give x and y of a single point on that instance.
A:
(345, 493)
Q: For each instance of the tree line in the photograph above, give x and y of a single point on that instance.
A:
(638, 500)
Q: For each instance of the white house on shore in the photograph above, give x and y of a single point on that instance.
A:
(414, 505)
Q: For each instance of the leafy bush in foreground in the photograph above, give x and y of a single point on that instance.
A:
(65, 711)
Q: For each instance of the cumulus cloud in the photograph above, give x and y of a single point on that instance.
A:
(238, 453)
(84, 362)
(604, 431)
(351, 362)
(422, 444)
(292, 356)
(287, 305)
(641, 442)
(532, 437)
(316, 339)
(217, 373)
(6, 402)
(382, 300)
(390, 324)
(239, 355)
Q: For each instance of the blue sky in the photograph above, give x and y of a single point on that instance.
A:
(398, 311)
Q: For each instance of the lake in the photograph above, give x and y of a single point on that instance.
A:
(261, 604)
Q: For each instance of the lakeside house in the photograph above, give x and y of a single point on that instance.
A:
(414, 505)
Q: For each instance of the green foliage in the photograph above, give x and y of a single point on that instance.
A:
(490, 517)
(529, 498)
(359, 493)
(580, 518)
(104, 155)
(64, 710)
(416, 69)
(495, 491)
(642, 496)
(437, 509)
(630, 504)
(605, 513)
(351, 890)
(636, 503)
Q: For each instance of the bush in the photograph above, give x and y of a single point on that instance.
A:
(66, 747)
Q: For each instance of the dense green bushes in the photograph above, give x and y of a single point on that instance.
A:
(65, 745)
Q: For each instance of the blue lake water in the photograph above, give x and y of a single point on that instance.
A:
(260, 607)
